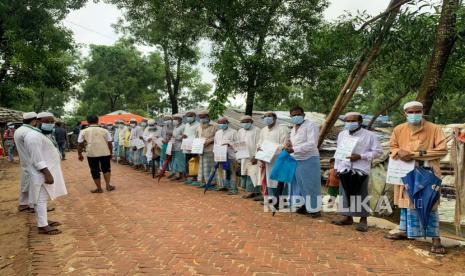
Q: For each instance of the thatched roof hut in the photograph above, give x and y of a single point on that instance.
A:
(10, 115)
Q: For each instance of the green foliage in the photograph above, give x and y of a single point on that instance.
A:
(38, 61)
(119, 77)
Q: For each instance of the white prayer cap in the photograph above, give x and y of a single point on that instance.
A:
(9, 124)
(167, 117)
(44, 115)
(224, 118)
(151, 122)
(270, 112)
(413, 104)
(246, 117)
(133, 120)
(203, 112)
(29, 115)
(352, 114)
(177, 115)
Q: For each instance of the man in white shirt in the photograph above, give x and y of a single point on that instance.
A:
(353, 171)
(303, 146)
(226, 136)
(44, 164)
(137, 144)
(178, 157)
(152, 152)
(29, 122)
(98, 145)
(250, 135)
(276, 134)
(190, 132)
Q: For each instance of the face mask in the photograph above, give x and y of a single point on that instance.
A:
(205, 121)
(120, 126)
(110, 127)
(132, 125)
(268, 121)
(246, 125)
(297, 120)
(152, 128)
(11, 127)
(414, 118)
(351, 126)
(176, 123)
(190, 119)
(223, 126)
(168, 122)
(47, 127)
(143, 124)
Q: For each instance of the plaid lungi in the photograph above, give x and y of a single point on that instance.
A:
(206, 166)
(410, 224)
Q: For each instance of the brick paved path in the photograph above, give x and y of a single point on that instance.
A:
(170, 228)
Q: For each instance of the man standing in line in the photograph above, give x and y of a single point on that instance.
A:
(190, 132)
(179, 158)
(8, 137)
(423, 142)
(29, 123)
(226, 136)
(61, 138)
(206, 130)
(46, 176)
(250, 135)
(303, 146)
(276, 134)
(98, 148)
(354, 171)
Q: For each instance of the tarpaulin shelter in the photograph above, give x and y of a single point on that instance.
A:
(113, 117)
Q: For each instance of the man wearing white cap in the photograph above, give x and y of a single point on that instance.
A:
(424, 142)
(152, 150)
(250, 135)
(118, 123)
(29, 124)
(190, 131)
(354, 170)
(8, 137)
(206, 130)
(178, 157)
(46, 176)
(226, 136)
(137, 132)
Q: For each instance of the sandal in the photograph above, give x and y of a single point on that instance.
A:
(110, 188)
(362, 227)
(53, 223)
(438, 249)
(399, 236)
(96, 191)
(48, 230)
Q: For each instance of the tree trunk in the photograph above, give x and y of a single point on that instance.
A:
(443, 46)
(169, 82)
(386, 108)
(359, 71)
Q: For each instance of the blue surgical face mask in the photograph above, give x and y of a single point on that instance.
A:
(132, 125)
(268, 121)
(168, 122)
(47, 127)
(246, 126)
(143, 124)
(297, 120)
(223, 126)
(414, 118)
(190, 119)
(204, 120)
(351, 126)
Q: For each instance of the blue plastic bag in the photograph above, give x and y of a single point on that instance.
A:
(284, 168)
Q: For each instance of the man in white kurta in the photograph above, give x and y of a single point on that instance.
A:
(354, 170)
(29, 122)
(276, 134)
(250, 135)
(46, 176)
(226, 171)
(190, 132)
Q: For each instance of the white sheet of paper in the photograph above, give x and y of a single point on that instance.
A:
(169, 148)
(398, 169)
(345, 149)
(139, 143)
(159, 142)
(197, 145)
(242, 151)
(186, 145)
(221, 153)
(267, 152)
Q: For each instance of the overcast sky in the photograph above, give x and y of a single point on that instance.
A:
(92, 24)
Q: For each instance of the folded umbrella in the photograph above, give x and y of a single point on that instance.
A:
(423, 187)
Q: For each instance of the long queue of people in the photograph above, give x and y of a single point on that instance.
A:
(416, 139)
